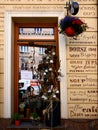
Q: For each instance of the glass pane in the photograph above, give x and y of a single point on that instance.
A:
(29, 85)
(36, 33)
(38, 79)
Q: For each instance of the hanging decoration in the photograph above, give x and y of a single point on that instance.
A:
(70, 25)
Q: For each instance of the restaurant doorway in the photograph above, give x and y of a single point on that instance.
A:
(36, 70)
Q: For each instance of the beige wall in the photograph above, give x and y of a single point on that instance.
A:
(88, 12)
(82, 67)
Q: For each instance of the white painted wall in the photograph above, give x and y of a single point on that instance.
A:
(8, 59)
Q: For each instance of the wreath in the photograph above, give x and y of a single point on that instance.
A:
(72, 26)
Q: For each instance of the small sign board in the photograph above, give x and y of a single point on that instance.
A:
(25, 74)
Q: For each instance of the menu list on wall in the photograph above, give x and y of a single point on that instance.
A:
(83, 96)
(32, 1)
(82, 52)
(45, 1)
(82, 67)
(83, 81)
(86, 38)
(83, 111)
(84, 11)
(87, 10)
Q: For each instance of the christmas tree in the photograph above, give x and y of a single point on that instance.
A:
(49, 74)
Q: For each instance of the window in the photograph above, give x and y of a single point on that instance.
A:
(24, 49)
(36, 33)
(41, 50)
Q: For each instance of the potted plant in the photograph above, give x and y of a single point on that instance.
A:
(35, 118)
(16, 118)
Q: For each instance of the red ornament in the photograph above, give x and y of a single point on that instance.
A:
(70, 31)
(77, 21)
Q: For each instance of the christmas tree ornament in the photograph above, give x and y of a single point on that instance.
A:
(50, 69)
(44, 73)
(44, 97)
(51, 61)
(54, 96)
(53, 53)
(46, 70)
(57, 91)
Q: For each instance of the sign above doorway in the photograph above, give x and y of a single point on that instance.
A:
(36, 33)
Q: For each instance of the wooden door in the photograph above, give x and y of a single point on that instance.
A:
(31, 36)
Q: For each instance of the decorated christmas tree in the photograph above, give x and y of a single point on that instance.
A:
(49, 74)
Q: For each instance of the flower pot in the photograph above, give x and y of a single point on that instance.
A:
(17, 122)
